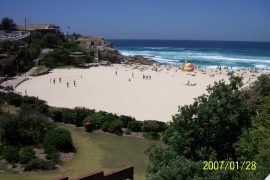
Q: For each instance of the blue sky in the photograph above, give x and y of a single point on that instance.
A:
(243, 20)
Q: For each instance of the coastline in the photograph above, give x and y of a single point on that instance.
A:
(121, 89)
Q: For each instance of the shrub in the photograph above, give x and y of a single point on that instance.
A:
(126, 120)
(116, 127)
(59, 139)
(152, 135)
(13, 99)
(80, 114)
(96, 121)
(153, 126)
(53, 156)
(134, 126)
(68, 115)
(11, 154)
(105, 126)
(39, 164)
(26, 155)
(56, 115)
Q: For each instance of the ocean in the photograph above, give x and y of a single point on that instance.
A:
(201, 53)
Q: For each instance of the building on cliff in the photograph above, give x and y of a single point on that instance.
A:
(96, 46)
(94, 42)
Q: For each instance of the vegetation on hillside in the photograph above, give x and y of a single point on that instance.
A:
(229, 124)
(21, 54)
(31, 129)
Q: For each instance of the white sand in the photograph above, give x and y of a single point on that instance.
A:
(101, 89)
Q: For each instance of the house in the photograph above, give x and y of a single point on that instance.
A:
(93, 42)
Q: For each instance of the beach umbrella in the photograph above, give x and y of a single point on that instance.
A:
(188, 67)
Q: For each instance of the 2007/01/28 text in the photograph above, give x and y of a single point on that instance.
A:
(229, 165)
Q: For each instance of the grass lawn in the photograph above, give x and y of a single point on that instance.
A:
(94, 152)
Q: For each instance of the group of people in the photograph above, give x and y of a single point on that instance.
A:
(67, 83)
(146, 77)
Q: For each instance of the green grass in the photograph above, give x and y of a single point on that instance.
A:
(95, 151)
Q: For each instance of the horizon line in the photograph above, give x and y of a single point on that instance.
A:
(187, 40)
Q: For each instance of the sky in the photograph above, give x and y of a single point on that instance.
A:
(230, 20)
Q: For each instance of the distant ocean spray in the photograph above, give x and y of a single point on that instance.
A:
(201, 53)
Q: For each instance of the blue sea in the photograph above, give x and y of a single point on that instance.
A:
(201, 53)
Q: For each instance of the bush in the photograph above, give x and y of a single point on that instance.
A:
(80, 114)
(116, 127)
(13, 99)
(36, 104)
(152, 135)
(68, 116)
(53, 156)
(26, 155)
(11, 154)
(153, 126)
(96, 120)
(126, 120)
(56, 115)
(134, 126)
(39, 164)
(105, 126)
(59, 139)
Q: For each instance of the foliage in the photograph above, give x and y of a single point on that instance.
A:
(7, 24)
(58, 139)
(26, 155)
(153, 126)
(135, 126)
(39, 164)
(11, 154)
(32, 103)
(60, 55)
(205, 130)
(21, 130)
(152, 135)
(56, 114)
(254, 144)
(126, 120)
(80, 114)
(116, 127)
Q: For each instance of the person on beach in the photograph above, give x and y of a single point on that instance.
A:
(150, 77)
(146, 77)
(116, 73)
(74, 82)
(53, 81)
(129, 79)
(60, 79)
(67, 84)
(143, 77)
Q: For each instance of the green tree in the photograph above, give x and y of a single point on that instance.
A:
(254, 144)
(205, 130)
(8, 24)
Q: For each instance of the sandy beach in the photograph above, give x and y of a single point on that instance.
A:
(121, 89)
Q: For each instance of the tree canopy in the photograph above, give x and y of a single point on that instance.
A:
(220, 126)
(8, 24)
